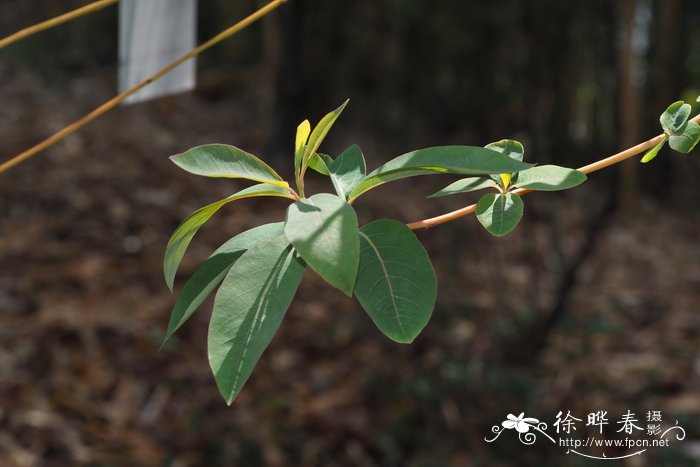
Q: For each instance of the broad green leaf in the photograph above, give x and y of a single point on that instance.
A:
(396, 284)
(183, 234)
(323, 229)
(674, 118)
(549, 178)
(248, 309)
(223, 161)
(686, 141)
(508, 147)
(465, 185)
(498, 213)
(210, 274)
(466, 160)
(320, 132)
(303, 131)
(653, 152)
(347, 170)
(320, 162)
(512, 149)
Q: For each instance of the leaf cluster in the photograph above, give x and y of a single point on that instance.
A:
(382, 264)
(501, 212)
(681, 133)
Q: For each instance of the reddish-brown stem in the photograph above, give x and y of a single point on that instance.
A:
(294, 194)
(595, 166)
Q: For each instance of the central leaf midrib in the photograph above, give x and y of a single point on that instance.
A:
(324, 234)
(265, 298)
(502, 212)
(388, 280)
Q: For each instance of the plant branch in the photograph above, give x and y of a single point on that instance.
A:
(109, 105)
(26, 32)
(295, 195)
(590, 168)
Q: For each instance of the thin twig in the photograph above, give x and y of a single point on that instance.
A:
(26, 32)
(109, 105)
(595, 166)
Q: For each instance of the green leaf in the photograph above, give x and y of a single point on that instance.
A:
(498, 213)
(210, 274)
(347, 170)
(686, 141)
(320, 162)
(653, 152)
(508, 147)
(248, 309)
(466, 160)
(465, 185)
(549, 178)
(675, 117)
(303, 131)
(323, 229)
(319, 133)
(396, 284)
(223, 161)
(183, 234)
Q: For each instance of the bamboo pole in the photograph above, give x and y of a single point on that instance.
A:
(31, 30)
(112, 103)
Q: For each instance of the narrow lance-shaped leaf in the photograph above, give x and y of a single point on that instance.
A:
(210, 274)
(223, 161)
(686, 141)
(396, 283)
(347, 170)
(499, 213)
(319, 134)
(323, 229)
(675, 117)
(465, 185)
(248, 309)
(653, 152)
(549, 178)
(506, 179)
(302, 137)
(467, 160)
(182, 236)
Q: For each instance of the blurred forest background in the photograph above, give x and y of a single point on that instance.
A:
(592, 304)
